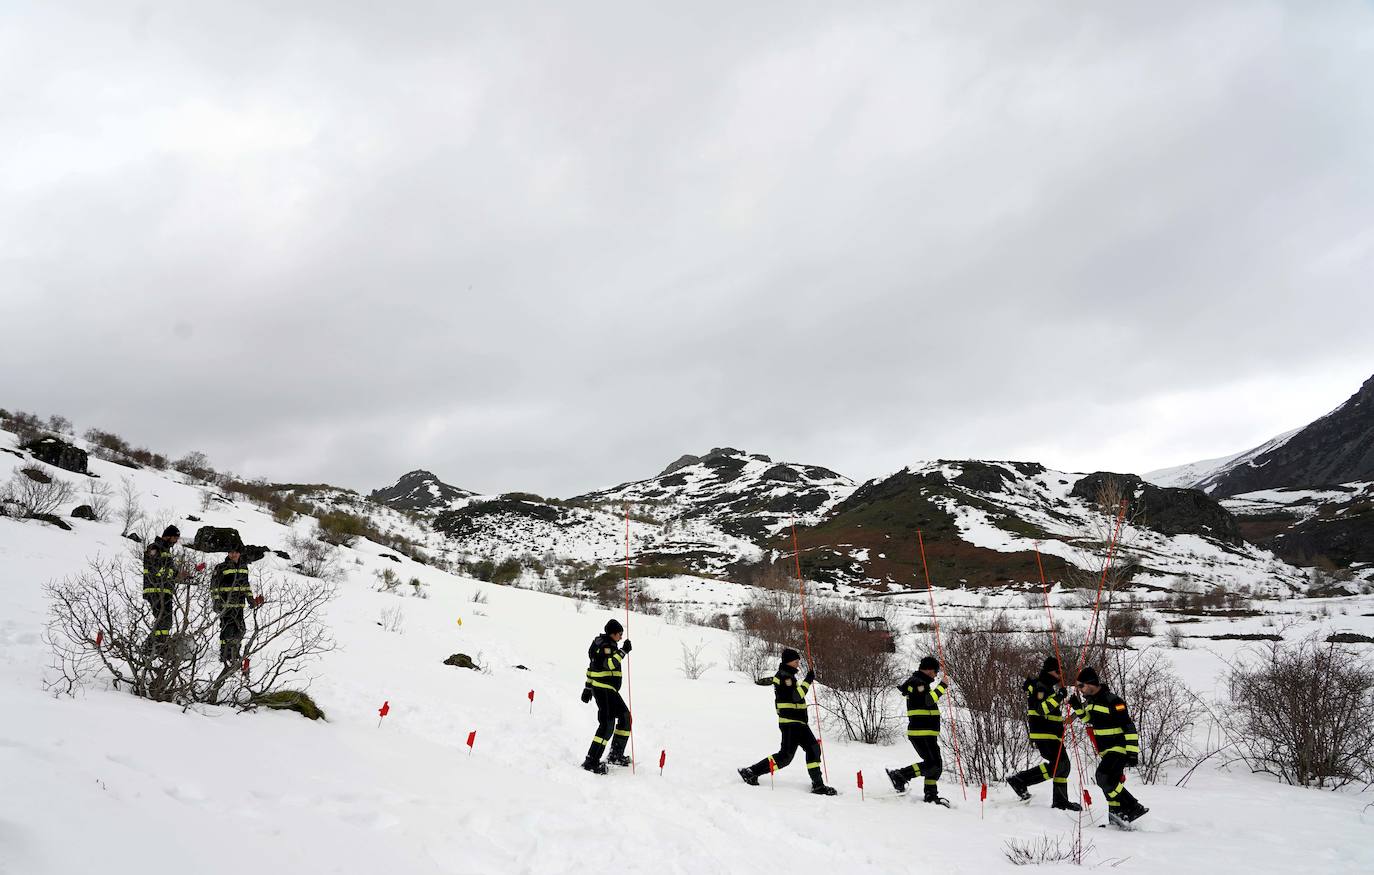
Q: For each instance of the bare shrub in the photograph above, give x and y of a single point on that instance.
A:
(388, 581)
(692, 665)
(1163, 709)
(315, 558)
(26, 426)
(100, 500)
(130, 505)
(1174, 637)
(1045, 849)
(392, 619)
(99, 625)
(37, 496)
(417, 588)
(1304, 712)
(988, 667)
(59, 424)
(479, 596)
(749, 654)
(195, 464)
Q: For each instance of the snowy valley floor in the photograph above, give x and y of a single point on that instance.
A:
(110, 783)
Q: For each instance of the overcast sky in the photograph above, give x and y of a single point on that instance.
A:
(553, 249)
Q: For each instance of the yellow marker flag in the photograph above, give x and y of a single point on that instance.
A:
(460, 622)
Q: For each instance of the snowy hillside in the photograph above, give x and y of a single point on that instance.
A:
(982, 521)
(1204, 475)
(231, 792)
(745, 494)
(421, 492)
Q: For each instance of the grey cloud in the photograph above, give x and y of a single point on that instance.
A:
(555, 249)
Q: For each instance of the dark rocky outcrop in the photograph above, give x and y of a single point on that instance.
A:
(84, 512)
(462, 660)
(290, 700)
(419, 492)
(59, 453)
(214, 539)
(1166, 510)
(52, 520)
(1338, 448)
(463, 523)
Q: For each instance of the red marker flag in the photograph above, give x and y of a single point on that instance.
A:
(200, 566)
(99, 638)
(245, 666)
(662, 758)
(982, 797)
(1087, 798)
(472, 739)
(382, 712)
(531, 701)
(861, 785)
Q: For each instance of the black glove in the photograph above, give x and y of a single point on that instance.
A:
(586, 694)
(810, 676)
(1060, 693)
(1075, 702)
(626, 646)
(1132, 759)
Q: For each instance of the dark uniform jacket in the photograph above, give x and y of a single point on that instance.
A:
(229, 587)
(159, 568)
(1111, 724)
(1044, 697)
(922, 705)
(789, 695)
(605, 660)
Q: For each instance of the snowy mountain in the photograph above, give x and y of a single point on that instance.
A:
(1331, 530)
(89, 775)
(745, 494)
(1337, 448)
(981, 522)
(421, 492)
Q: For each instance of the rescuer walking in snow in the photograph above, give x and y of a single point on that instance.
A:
(1118, 743)
(923, 694)
(606, 656)
(160, 575)
(789, 700)
(1045, 696)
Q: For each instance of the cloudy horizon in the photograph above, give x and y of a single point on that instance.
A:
(553, 250)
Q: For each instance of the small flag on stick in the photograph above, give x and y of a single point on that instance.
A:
(460, 622)
(382, 712)
(662, 759)
(861, 785)
(982, 797)
(1087, 798)
(531, 701)
(99, 638)
(472, 739)
(245, 666)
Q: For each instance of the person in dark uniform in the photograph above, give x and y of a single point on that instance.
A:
(160, 576)
(230, 593)
(923, 693)
(606, 658)
(789, 700)
(1117, 741)
(1045, 696)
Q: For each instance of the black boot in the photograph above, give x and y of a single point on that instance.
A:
(596, 767)
(1061, 800)
(618, 759)
(899, 779)
(1134, 813)
(933, 795)
(1018, 787)
(823, 790)
(749, 777)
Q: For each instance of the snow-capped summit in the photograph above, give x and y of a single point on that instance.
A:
(421, 492)
(745, 494)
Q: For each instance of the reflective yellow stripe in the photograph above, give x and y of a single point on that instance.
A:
(803, 687)
(603, 686)
(622, 732)
(923, 712)
(794, 705)
(785, 720)
(813, 765)
(1043, 736)
(604, 674)
(1117, 730)
(598, 740)
(924, 733)
(147, 590)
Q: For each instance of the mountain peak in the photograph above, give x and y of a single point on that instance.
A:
(420, 491)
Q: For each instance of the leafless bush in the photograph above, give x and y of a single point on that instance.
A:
(1127, 622)
(99, 626)
(749, 654)
(392, 619)
(195, 464)
(692, 665)
(417, 588)
(479, 596)
(36, 496)
(26, 426)
(988, 667)
(100, 500)
(1163, 709)
(1174, 637)
(59, 424)
(315, 558)
(388, 581)
(1304, 712)
(1045, 849)
(130, 505)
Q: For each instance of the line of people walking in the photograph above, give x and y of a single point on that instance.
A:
(1105, 714)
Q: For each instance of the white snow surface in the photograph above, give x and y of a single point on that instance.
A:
(1204, 474)
(110, 783)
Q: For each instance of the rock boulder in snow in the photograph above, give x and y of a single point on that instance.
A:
(59, 453)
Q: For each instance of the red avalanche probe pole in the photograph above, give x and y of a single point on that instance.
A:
(940, 652)
(810, 663)
(629, 685)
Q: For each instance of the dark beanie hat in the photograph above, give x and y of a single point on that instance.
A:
(929, 662)
(171, 532)
(788, 654)
(613, 626)
(1089, 676)
(1051, 664)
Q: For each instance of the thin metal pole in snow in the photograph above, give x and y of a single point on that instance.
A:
(629, 686)
(940, 651)
(810, 663)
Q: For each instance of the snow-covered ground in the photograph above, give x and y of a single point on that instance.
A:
(111, 783)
